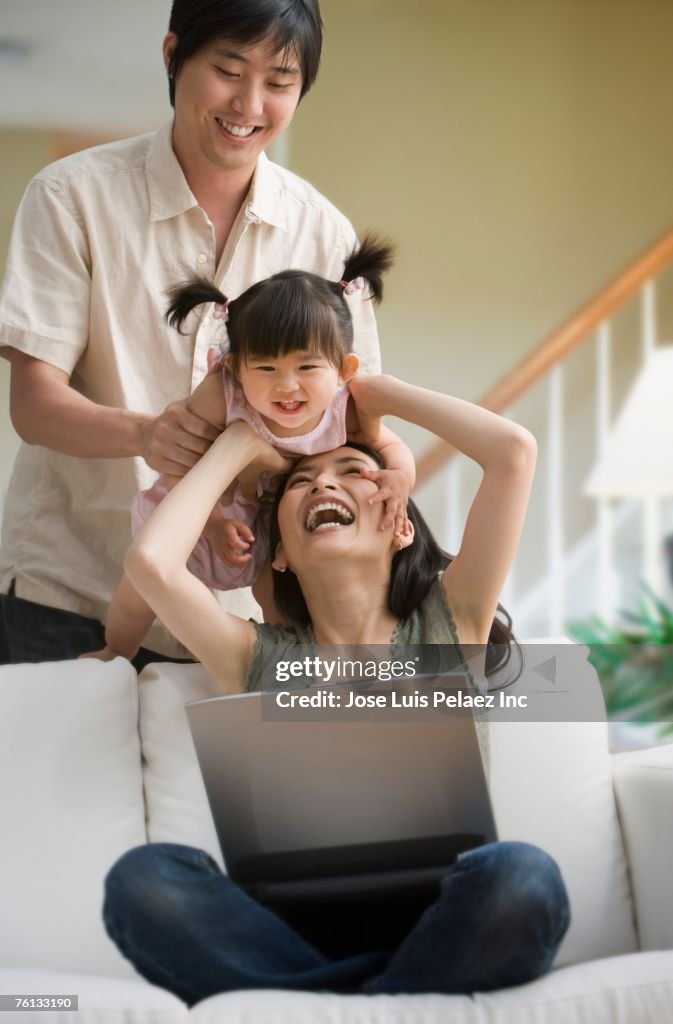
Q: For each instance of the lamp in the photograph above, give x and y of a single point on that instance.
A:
(637, 457)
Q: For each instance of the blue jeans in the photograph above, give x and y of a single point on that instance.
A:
(32, 632)
(497, 919)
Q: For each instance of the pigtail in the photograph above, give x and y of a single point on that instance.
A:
(186, 296)
(370, 260)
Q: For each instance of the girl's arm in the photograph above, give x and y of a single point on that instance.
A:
(156, 563)
(506, 453)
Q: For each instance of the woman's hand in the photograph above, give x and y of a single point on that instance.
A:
(262, 456)
(269, 461)
(393, 488)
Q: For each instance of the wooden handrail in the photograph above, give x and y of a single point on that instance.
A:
(556, 346)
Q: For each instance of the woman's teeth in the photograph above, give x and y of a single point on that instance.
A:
(328, 513)
(235, 129)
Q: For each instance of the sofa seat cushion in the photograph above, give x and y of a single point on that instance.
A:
(72, 802)
(101, 1000)
(632, 989)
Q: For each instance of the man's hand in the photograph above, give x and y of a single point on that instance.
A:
(393, 488)
(231, 540)
(175, 441)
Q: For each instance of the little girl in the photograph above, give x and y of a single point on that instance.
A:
(285, 373)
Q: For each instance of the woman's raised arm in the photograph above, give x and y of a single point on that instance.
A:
(156, 562)
(506, 453)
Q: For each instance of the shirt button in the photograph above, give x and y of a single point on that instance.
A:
(202, 258)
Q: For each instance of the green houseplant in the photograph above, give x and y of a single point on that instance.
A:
(634, 661)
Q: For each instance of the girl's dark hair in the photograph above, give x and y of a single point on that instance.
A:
(293, 311)
(413, 571)
(287, 24)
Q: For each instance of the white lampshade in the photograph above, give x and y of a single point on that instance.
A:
(637, 460)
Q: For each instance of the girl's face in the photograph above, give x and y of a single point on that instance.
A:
(291, 392)
(325, 511)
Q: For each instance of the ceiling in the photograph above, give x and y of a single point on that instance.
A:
(83, 65)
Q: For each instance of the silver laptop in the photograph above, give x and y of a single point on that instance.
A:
(339, 802)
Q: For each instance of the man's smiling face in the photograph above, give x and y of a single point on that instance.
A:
(231, 101)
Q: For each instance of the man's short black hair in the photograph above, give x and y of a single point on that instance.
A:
(290, 25)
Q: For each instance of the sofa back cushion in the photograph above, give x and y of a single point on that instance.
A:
(72, 802)
(177, 805)
(551, 785)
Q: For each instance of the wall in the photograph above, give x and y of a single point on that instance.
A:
(520, 154)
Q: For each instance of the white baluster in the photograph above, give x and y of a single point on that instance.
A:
(555, 501)
(648, 318)
(651, 504)
(652, 554)
(606, 554)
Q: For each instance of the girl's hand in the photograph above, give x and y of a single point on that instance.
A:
(231, 540)
(393, 488)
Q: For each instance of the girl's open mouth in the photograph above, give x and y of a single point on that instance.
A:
(289, 406)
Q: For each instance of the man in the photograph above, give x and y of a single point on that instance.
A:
(98, 380)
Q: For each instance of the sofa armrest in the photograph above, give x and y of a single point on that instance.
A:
(643, 782)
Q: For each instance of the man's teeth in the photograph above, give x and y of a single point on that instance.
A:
(343, 516)
(236, 129)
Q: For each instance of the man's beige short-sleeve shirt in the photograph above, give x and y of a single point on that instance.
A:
(97, 240)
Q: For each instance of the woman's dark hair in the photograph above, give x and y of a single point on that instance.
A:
(293, 311)
(413, 571)
(289, 25)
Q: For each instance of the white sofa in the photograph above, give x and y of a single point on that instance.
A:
(93, 761)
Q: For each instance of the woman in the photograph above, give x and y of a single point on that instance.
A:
(501, 910)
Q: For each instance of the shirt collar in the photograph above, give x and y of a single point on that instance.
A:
(168, 189)
(170, 194)
(265, 198)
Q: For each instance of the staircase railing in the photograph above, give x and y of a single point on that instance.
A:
(545, 365)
